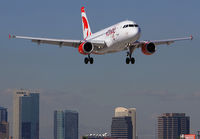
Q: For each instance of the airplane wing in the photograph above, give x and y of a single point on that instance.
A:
(160, 42)
(59, 42)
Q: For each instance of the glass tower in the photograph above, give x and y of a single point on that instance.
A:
(121, 127)
(65, 124)
(3, 114)
(58, 125)
(26, 115)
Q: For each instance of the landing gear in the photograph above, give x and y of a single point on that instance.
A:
(129, 58)
(132, 60)
(88, 59)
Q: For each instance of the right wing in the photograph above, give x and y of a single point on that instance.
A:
(161, 42)
(59, 42)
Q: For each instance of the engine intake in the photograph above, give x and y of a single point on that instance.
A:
(85, 48)
(148, 48)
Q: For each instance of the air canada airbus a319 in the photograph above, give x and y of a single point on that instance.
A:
(122, 36)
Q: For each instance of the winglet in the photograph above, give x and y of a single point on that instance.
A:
(11, 36)
(191, 37)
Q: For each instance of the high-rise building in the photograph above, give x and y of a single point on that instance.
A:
(172, 125)
(59, 125)
(26, 115)
(121, 111)
(3, 114)
(4, 126)
(122, 127)
(4, 130)
(65, 124)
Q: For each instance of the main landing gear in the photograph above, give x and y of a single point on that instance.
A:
(129, 58)
(89, 59)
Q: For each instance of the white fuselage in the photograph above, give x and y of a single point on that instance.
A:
(116, 37)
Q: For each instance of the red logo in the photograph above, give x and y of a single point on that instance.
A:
(85, 23)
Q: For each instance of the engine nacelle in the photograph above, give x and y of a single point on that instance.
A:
(85, 48)
(148, 48)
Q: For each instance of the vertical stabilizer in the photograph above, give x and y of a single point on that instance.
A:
(85, 24)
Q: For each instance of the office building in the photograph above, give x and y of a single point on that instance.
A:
(121, 111)
(65, 124)
(26, 115)
(3, 114)
(4, 126)
(4, 130)
(172, 125)
(122, 127)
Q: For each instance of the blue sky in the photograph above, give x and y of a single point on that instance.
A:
(167, 81)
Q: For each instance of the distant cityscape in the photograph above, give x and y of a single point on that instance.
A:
(26, 106)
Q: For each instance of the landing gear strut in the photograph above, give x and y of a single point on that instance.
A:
(129, 58)
(88, 59)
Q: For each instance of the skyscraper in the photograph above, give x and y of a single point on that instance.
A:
(59, 125)
(4, 126)
(121, 111)
(121, 127)
(65, 124)
(26, 115)
(172, 125)
(3, 114)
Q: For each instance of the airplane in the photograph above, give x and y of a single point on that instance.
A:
(123, 36)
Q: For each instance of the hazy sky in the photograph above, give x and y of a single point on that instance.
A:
(168, 81)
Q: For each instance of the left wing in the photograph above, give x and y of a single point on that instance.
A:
(160, 42)
(59, 42)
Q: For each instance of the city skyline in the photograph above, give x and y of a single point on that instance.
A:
(167, 81)
(120, 114)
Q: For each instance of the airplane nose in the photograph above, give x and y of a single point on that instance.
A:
(137, 32)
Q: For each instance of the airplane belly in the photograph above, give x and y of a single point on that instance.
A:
(116, 47)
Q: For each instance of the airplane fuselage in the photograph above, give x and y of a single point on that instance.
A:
(116, 37)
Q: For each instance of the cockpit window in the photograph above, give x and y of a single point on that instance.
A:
(125, 26)
(130, 25)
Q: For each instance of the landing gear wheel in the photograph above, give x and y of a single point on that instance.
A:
(91, 60)
(127, 60)
(86, 60)
(132, 60)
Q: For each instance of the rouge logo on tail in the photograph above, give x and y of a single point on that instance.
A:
(85, 23)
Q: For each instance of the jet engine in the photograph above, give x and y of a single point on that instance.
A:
(148, 48)
(85, 48)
